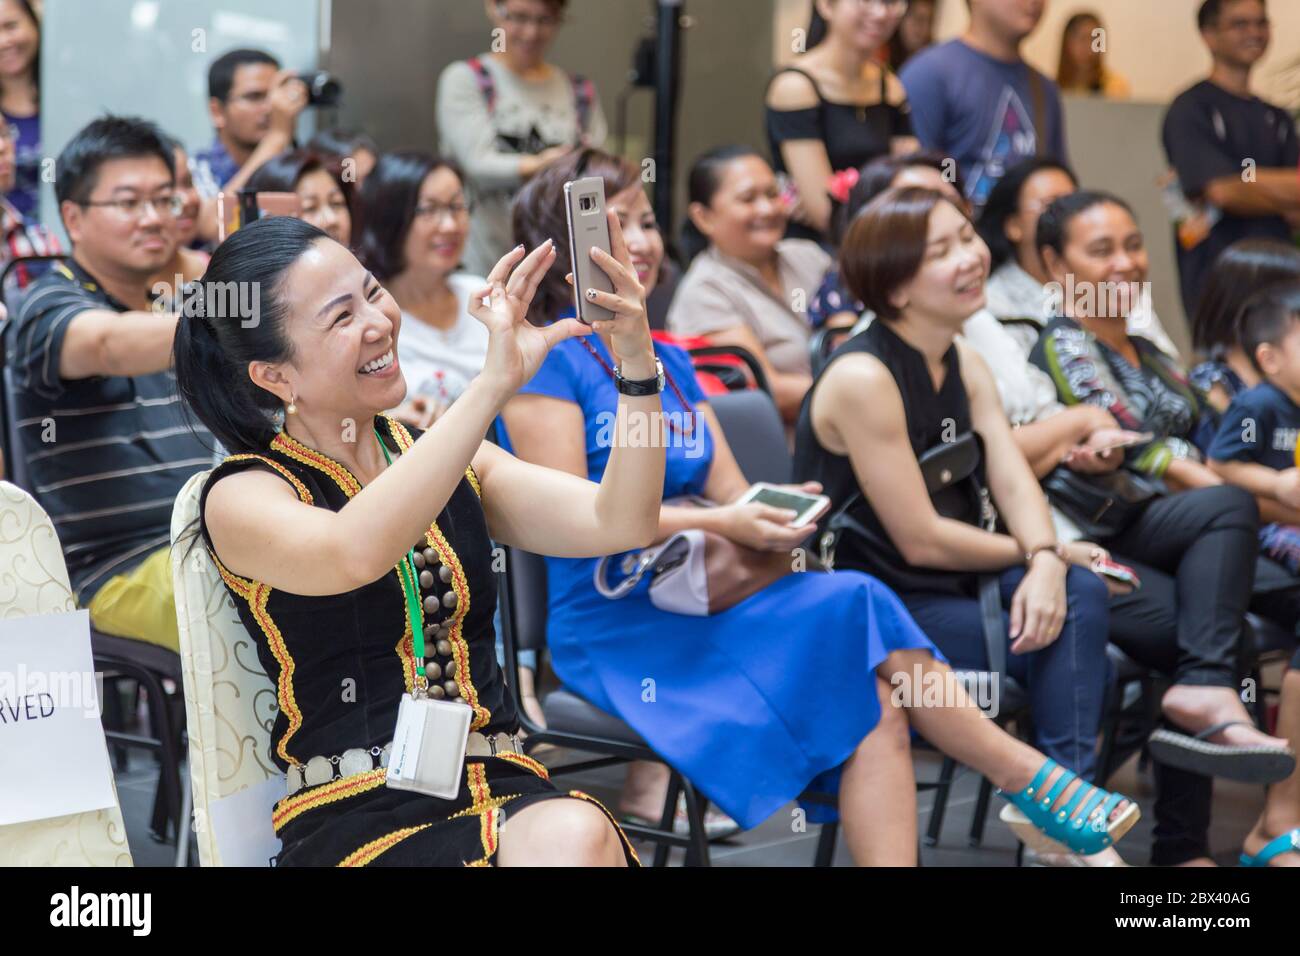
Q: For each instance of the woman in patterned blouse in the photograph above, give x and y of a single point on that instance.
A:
(1192, 548)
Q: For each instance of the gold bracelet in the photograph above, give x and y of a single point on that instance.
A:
(1055, 548)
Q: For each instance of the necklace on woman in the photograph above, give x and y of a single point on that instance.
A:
(690, 412)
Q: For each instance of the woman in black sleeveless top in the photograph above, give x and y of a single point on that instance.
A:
(359, 553)
(905, 386)
(839, 108)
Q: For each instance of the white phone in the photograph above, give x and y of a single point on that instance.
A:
(808, 508)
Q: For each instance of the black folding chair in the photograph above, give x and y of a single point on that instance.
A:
(823, 342)
(754, 431)
(731, 375)
(573, 723)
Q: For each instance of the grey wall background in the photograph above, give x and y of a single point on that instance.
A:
(102, 56)
(389, 54)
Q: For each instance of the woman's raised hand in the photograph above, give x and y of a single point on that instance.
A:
(629, 330)
(516, 348)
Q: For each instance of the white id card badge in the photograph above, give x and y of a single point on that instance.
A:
(428, 752)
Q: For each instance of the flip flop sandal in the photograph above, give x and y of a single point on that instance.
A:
(1197, 755)
(1286, 843)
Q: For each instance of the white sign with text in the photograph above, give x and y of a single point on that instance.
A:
(53, 759)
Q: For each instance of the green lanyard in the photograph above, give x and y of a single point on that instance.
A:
(406, 571)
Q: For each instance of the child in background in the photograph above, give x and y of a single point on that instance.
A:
(1255, 445)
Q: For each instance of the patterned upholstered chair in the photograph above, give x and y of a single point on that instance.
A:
(230, 703)
(34, 580)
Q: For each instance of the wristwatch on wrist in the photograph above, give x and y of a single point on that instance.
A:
(1055, 548)
(642, 388)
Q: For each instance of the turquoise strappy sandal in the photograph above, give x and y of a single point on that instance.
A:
(1080, 826)
(1286, 843)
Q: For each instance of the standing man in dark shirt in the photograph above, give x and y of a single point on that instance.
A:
(99, 422)
(1235, 154)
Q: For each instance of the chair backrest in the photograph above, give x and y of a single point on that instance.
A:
(229, 701)
(823, 342)
(723, 359)
(528, 598)
(31, 557)
(523, 605)
(756, 435)
(15, 461)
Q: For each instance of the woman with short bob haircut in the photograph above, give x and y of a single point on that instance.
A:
(355, 548)
(906, 386)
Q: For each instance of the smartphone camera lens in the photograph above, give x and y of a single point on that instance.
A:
(587, 203)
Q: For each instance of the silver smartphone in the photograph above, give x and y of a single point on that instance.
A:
(584, 206)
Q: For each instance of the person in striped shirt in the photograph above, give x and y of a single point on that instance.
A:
(101, 439)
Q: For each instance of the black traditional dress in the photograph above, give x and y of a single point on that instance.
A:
(340, 664)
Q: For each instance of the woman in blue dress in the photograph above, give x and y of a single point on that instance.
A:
(784, 691)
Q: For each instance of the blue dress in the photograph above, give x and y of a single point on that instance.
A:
(753, 705)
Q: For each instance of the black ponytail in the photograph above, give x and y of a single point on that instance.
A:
(702, 184)
(234, 315)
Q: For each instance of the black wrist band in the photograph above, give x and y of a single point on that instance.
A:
(642, 387)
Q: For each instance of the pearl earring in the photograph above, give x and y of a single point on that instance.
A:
(291, 409)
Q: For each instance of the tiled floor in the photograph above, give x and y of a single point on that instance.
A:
(775, 843)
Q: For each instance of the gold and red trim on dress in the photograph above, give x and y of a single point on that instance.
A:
(489, 835)
(483, 804)
(341, 789)
(460, 585)
(525, 761)
(257, 594)
(303, 494)
(292, 448)
(627, 844)
(366, 853)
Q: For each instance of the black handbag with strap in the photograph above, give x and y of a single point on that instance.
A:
(1102, 506)
(951, 473)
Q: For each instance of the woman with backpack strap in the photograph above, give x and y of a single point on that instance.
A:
(504, 115)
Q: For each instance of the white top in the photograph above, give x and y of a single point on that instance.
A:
(1013, 294)
(440, 364)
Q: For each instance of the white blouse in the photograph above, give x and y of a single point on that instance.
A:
(440, 363)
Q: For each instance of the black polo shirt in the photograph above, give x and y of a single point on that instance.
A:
(105, 456)
(1208, 133)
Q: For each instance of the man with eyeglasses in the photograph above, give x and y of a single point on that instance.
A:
(100, 430)
(254, 108)
(1235, 154)
(977, 100)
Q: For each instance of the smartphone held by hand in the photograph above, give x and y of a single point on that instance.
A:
(584, 207)
(1120, 573)
(807, 508)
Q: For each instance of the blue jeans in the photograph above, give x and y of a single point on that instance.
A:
(1066, 680)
